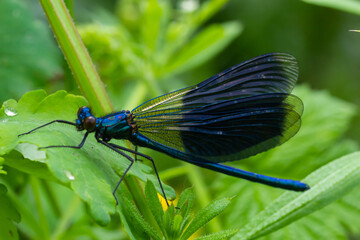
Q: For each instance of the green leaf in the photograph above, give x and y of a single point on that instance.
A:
(140, 222)
(28, 55)
(8, 215)
(185, 202)
(179, 32)
(341, 220)
(206, 11)
(154, 204)
(205, 215)
(169, 218)
(328, 184)
(184, 206)
(328, 223)
(36, 167)
(89, 171)
(177, 226)
(203, 47)
(127, 218)
(219, 235)
(351, 6)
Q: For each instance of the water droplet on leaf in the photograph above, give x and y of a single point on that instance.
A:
(69, 175)
(10, 112)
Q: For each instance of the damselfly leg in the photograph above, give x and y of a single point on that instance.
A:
(58, 146)
(77, 147)
(109, 145)
(112, 146)
(146, 157)
(55, 121)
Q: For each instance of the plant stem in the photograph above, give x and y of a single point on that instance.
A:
(80, 63)
(42, 217)
(77, 55)
(51, 197)
(65, 219)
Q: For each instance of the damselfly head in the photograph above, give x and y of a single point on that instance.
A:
(85, 119)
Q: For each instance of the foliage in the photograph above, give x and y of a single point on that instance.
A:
(328, 184)
(175, 222)
(150, 42)
(92, 180)
(143, 50)
(28, 57)
(8, 215)
(324, 121)
(94, 186)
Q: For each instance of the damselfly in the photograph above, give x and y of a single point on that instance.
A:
(238, 113)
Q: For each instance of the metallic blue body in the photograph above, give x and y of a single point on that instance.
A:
(114, 126)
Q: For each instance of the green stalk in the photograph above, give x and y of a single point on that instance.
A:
(34, 182)
(80, 64)
(66, 218)
(77, 55)
(51, 197)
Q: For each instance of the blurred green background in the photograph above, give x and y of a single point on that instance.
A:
(133, 71)
(318, 37)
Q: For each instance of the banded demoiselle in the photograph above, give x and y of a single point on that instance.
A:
(238, 113)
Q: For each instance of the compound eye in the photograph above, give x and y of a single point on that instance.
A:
(90, 123)
(81, 110)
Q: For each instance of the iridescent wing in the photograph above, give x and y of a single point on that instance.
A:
(238, 113)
